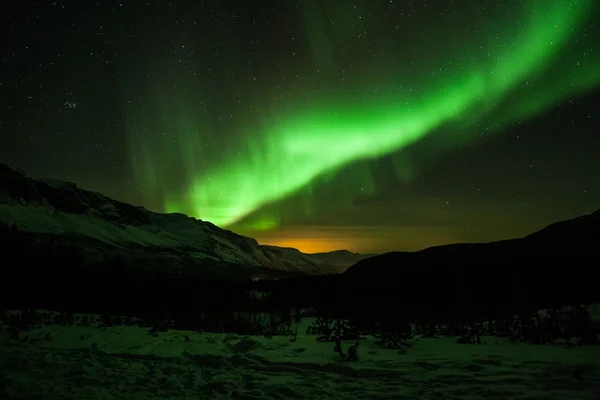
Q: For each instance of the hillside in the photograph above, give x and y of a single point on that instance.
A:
(551, 266)
(575, 238)
(50, 214)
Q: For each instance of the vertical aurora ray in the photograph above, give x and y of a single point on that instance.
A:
(283, 154)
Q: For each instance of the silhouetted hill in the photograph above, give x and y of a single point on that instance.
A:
(555, 265)
(577, 236)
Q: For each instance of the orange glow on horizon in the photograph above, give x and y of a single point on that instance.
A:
(323, 239)
(310, 245)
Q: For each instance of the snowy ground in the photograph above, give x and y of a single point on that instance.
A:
(58, 362)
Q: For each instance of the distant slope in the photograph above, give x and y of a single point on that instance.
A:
(54, 213)
(336, 261)
(558, 262)
(578, 237)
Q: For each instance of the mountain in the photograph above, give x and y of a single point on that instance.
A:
(334, 262)
(57, 217)
(575, 238)
(555, 264)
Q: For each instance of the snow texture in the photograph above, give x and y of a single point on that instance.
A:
(116, 229)
(127, 362)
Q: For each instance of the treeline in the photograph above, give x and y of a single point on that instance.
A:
(43, 272)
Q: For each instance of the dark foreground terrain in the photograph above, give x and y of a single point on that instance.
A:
(86, 359)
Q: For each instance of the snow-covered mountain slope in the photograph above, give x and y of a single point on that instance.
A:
(59, 213)
(336, 261)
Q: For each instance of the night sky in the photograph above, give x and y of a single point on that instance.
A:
(318, 124)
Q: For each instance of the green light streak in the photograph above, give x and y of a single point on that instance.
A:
(280, 160)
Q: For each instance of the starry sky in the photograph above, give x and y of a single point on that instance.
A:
(368, 125)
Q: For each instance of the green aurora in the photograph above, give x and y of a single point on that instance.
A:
(524, 61)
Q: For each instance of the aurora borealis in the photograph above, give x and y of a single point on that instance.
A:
(320, 125)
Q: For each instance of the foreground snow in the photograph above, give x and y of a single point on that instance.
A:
(59, 362)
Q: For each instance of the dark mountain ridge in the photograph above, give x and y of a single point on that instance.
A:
(575, 238)
(555, 265)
